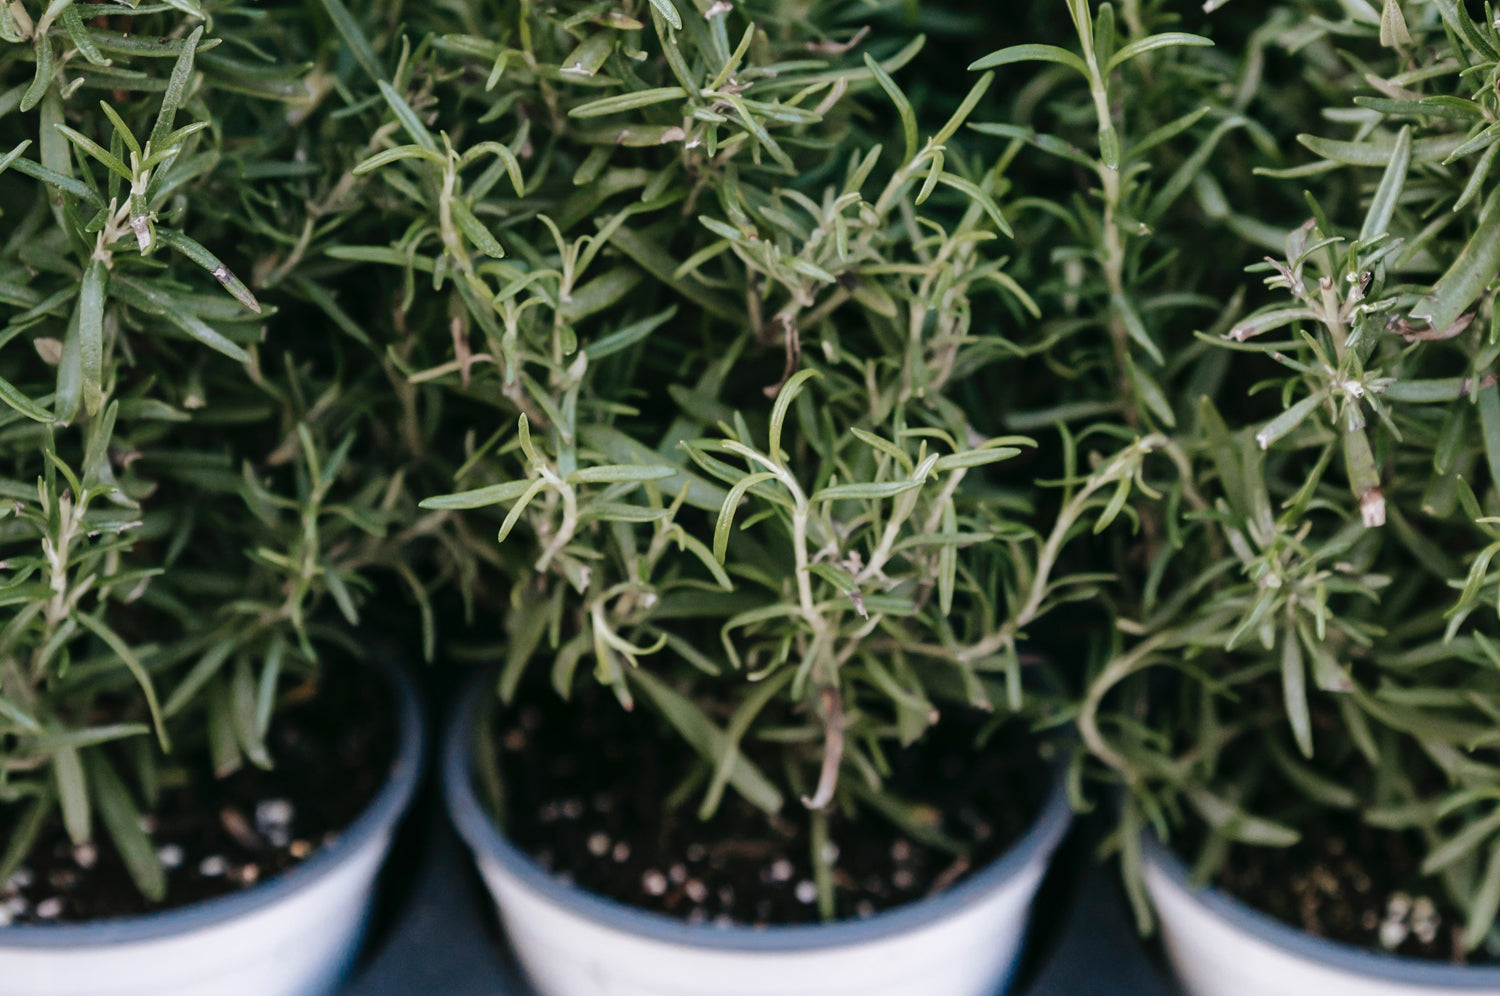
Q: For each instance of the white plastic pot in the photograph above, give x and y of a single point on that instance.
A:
(1220, 946)
(296, 934)
(962, 942)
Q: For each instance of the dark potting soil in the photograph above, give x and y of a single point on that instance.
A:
(332, 746)
(585, 790)
(1346, 881)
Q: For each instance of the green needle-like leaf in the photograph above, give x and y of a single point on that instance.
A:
(91, 334)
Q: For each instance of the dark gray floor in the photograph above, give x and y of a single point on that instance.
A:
(443, 942)
(1097, 952)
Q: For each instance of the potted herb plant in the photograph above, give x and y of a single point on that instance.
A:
(1298, 706)
(196, 791)
(726, 385)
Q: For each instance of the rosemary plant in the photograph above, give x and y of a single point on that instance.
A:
(801, 377)
(740, 468)
(1321, 591)
(189, 505)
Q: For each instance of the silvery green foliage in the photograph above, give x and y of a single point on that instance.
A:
(803, 378)
(191, 496)
(737, 478)
(1317, 582)
(540, 259)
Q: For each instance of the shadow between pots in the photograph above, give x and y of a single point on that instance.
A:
(433, 931)
(440, 941)
(1098, 952)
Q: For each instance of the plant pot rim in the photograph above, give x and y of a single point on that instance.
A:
(485, 838)
(377, 818)
(1338, 955)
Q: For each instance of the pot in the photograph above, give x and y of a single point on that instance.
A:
(1220, 946)
(295, 934)
(965, 941)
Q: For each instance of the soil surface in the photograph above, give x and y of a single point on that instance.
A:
(586, 783)
(1348, 882)
(332, 749)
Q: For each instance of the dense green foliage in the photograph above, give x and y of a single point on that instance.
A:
(197, 482)
(734, 232)
(804, 377)
(1311, 594)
